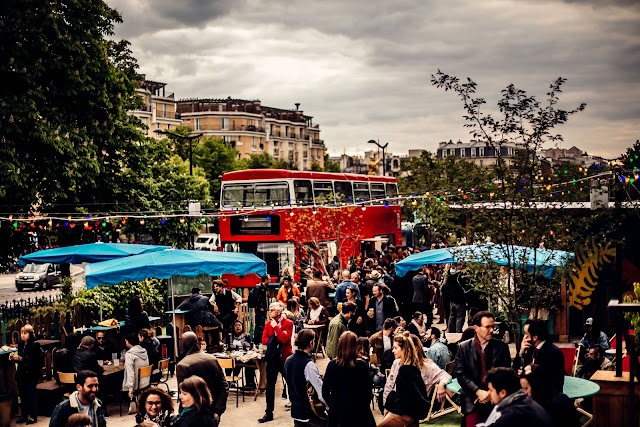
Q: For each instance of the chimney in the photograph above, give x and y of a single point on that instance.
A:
(297, 106)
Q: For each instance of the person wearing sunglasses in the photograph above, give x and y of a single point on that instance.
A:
(155, 405)
(103, 348)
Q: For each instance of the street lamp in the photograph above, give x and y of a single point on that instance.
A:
(383, 147)
(189, 138)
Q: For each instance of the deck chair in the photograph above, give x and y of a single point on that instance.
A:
(444, 410)
(233, 380)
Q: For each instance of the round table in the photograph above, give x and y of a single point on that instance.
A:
(574, 387)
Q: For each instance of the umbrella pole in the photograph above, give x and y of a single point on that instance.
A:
(173, 306)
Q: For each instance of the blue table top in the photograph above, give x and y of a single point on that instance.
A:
(573, 387)
(177, 311)
(11, 350)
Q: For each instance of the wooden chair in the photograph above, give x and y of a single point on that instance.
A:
(443, 410)
(68, 379)
(143, 372)
(576, 360)
(233, 380)
(48, 365)
(163, 366)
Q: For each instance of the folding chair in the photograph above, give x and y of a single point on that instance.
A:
(68, 379)
(163, 366)
(233, 379)
(442, 411)
(143, 372)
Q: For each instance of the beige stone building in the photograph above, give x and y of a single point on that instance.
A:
(252, 128)
(159, 110)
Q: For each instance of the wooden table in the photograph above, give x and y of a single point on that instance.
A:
(258, 364)
(48, 344)
(318, 329)
(614, 405)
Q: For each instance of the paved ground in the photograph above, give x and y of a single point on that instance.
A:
(8, 291)
(246, 414)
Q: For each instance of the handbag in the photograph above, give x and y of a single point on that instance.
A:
(317, 407)
(133, 407)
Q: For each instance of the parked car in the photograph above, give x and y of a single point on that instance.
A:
(207, 242)
(38, 276)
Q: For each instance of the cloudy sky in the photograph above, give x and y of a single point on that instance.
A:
(362, 68)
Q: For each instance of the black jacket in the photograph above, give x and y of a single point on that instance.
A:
(389, 310)
(30, 367)
(550, 361)
(410, 397)
(195, 418)
(294, 368)
(199, 311)
(518, 410)
(85, 359)
(134, 322)
(347, 392)
(469, 372)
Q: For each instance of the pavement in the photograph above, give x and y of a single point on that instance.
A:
(246, 414)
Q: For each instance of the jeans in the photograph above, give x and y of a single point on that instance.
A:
(28, 401)
(273, 369)
(456, 317)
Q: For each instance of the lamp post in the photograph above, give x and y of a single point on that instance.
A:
(383, 147)
(189, 138)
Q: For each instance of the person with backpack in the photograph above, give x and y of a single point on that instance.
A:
(259, 301)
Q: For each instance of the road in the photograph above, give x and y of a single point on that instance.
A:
(8, 291)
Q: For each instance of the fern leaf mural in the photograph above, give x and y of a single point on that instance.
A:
(584, 278)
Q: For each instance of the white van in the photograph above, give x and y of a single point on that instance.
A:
(207, 242)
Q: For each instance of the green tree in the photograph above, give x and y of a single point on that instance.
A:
(215, 157)
(330, 165)
(65, 133)
(166, 186)
(524, 124)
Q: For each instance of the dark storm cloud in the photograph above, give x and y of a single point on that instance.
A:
(148, 16)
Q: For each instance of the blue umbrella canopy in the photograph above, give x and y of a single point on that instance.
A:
(542, 261)
(91, 252)
(172, 262)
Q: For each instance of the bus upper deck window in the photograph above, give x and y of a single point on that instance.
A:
(303, 192)
(323, 192)
(361, 191)
(344, 192)
(237, 195)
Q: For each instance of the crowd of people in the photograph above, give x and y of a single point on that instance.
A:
(382, 337)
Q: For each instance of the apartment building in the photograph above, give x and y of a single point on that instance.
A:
(477, 152)
(159, 111)
(252, 128)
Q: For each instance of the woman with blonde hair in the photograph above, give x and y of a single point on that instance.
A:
(317, 314)
(29, 361)
(347, 386)
(407, 402)
(195, 399)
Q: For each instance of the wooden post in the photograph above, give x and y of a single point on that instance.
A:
(562, 313)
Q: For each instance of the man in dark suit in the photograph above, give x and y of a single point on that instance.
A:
(537, 348)
(474, 358)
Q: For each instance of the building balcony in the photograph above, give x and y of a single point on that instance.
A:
(167, 115)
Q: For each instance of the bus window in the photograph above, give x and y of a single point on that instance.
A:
(344, 193)
(392, 191)
(237, 195)
(278, 256)
(276, 193)
(323, 192)
(303, 192)
(377, 191)
(361, 191)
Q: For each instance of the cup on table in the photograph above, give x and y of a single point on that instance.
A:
(100, 362)
(114, 356)
(116, 362)
(340, 307)
(370, 313)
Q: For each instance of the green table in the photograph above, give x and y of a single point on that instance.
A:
(573, 387)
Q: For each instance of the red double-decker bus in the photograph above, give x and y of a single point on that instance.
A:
(293, 219)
